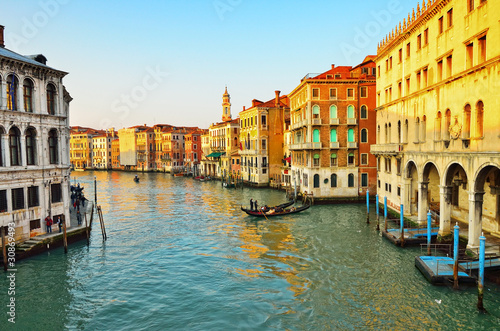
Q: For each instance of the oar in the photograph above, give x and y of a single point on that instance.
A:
(264, 215)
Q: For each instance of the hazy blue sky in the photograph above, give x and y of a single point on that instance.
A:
(148, 62)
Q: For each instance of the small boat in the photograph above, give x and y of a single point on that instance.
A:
(180, 174)
(136, 179)
(229, 185)
(271, 211)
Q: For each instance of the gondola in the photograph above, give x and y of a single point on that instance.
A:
(136, 179)
(261, 213)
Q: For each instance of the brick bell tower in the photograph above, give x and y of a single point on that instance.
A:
(226, 107)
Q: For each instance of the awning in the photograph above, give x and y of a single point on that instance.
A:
(216, 154)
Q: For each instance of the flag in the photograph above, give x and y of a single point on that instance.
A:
(241, 146)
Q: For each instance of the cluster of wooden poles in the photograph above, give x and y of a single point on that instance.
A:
(482, 244)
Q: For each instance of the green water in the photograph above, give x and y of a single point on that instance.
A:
(182, 256)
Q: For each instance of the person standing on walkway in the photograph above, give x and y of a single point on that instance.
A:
(59, 222)
(48, 222)
(251, 204)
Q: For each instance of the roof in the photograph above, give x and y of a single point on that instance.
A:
(18, 57)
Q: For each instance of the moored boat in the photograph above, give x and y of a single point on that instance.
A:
(275, 211)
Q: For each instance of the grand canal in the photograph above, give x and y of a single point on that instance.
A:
(180, 255)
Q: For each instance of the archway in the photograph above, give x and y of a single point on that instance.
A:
(411, 188)
(454, 197)
(429, 198)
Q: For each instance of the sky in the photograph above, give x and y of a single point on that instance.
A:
(168, 62)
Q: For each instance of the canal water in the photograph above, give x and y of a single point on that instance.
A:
(181, 255)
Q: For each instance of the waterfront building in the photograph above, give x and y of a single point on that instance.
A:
(193, 150)
(438, 147)
(129, 153)
(101, 150)
(34, 149)
(81, 147)
(261, 136)
(332, 127)
(223, 159)
(115, 154)
(145, 149)
(205, 150)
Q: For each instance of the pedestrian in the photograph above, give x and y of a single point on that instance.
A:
(72, 198)
(251, 204)
(59, 222)
(79, 217)
(48, 222)
(255, 205)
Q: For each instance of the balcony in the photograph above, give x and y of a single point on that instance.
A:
(295, 146)
(352, 121)
(334, 121)
(316, 121)
(386, 149)
(352, 145)
(334, 144)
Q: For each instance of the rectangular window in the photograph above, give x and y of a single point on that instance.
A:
(374, 71)
(333, 93)
(364, 92)
(364, 180)
(387, 65)
(35, 224)
(33, 200)
(426, 37)
(400, 56)
(399, 89)
(379, 183)
(449, 67)
(264, 144)
(449, 15)
(469, 50)
(378, 71)
(263, 120)
(482, 49)
(440, 25)
(470, 5)
(419, 75)
(350, 93)
(315, 93)
(399, 191)
(440, 70)
(390, 63)
(3, 201)
(56, 193)
(333, 161)
(408, 86)
(408, 48)
(419, 42)
(17, 198)
(364, 159)
(424, 78)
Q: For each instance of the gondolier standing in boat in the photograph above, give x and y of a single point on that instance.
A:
(255, 205)
(251, 204)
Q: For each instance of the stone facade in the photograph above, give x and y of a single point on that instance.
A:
(34, 143)
(438, 146)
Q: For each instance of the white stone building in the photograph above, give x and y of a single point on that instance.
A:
(34, 143)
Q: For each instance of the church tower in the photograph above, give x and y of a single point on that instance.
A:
(226, 107)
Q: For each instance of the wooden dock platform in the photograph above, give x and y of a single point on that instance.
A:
(439, 270)
(412, 237)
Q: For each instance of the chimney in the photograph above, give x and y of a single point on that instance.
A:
(277, 100)
(333, 66)
(254, 102)
(1, 36)
(244, 108)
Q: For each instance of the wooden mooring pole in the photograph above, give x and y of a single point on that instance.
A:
(455, 256)
(4, 249)
(87, 230)
(378, 212)
(65, 237)
(101, 220)
(480, 282)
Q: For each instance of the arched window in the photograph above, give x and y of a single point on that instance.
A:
(364, 112)
(12, 84)
(350, 135)
(479, 119)
(333, 160)
(390, 137)
(446, 131)
(350, 111)
(15, 146)
(316, 136)
(386, 134)
(333, 111)
(350, 180)
(364, 135)
(315, 111)
(333, 135)
(51, 99)
(405, 133)
(350, 159)
(417, 129)
(378, 135)
(399, 133)
(30, 146)
(424, 128)
(316, 181)
(467, 119)
(333, 180)
(316, 160)
(28, 95)
(437, 127)
(53, 146)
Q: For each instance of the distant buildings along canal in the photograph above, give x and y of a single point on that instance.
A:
(34, 149)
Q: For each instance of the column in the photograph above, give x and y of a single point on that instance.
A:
(445, 193)
(406, 196)
(475, 218)
(423, 203)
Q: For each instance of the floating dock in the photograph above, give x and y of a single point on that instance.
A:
(439, 270)
(412, 237)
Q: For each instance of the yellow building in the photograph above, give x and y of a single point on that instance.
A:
(81, 147)
(438, 145)
(261, 136)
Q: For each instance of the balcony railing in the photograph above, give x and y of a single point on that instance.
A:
(352, 145)
(334, 144)
(316, 121)
(352, 121)
(386, 149)
(334, 121)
